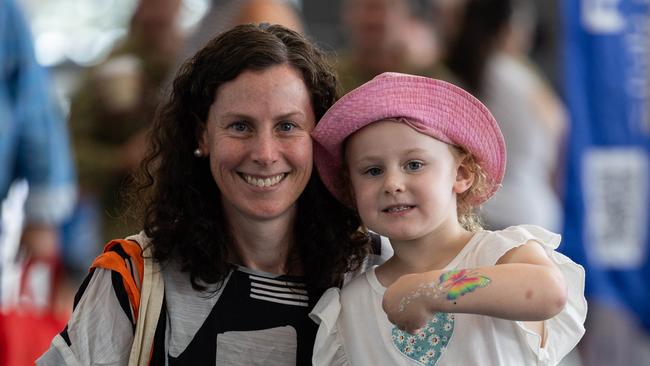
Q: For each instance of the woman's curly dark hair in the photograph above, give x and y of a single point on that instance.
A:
(179, 199)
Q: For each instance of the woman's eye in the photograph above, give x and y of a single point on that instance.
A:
(286, 126)
(373, 171)
(239, 126)
(414, 165)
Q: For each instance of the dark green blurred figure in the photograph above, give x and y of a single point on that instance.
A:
(113, 108)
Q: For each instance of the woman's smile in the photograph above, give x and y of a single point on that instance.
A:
(263, 181)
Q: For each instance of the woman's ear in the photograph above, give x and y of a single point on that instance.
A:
(202, 137)
(464, 178)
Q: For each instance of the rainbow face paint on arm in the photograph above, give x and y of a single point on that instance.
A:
(460, 282)
(452, 284)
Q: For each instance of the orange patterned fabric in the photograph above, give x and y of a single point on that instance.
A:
(111, 260)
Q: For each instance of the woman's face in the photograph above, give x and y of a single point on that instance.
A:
(258, 141)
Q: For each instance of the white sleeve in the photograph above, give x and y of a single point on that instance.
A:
(328, 349)
(98, 330)
(562, 332)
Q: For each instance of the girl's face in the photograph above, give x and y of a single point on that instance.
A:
(258, 142)
(404, 183)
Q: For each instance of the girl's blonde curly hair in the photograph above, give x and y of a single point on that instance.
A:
(466, 209)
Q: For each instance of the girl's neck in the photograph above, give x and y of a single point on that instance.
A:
(264, 245)
(435, 251)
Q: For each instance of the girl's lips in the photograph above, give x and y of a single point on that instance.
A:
(398, 208)
(263, 182)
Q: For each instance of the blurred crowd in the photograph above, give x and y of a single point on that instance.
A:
(77, 164)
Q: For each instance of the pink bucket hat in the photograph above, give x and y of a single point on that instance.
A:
(432, 107)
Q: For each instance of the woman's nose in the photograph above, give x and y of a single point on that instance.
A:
(265, 149)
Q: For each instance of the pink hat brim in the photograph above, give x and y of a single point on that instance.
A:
(433, 107)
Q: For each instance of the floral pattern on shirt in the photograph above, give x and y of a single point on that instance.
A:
(429, 343)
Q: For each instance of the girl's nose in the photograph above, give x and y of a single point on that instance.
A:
(393, 183)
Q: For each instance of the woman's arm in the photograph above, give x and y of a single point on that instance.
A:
(523, 285)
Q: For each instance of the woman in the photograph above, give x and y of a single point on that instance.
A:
(243, 231)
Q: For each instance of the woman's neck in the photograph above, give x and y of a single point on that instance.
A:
(434, 251)
(264, 245)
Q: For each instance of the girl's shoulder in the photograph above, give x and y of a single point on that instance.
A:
(361, 291)
(486, 247)
(520, 234)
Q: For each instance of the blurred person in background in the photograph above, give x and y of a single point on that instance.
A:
(110, 113)
(486, 47)
(34, 148)
(34, 142)
(385, 35)
(224, 14)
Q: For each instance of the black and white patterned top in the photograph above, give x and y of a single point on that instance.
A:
(252, 318)
(255, 318)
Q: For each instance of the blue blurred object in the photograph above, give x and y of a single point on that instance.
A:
(607, 188)
(33, 136)
(81, 238)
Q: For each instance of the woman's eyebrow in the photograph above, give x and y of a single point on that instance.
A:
(243, 115)
(291, 114)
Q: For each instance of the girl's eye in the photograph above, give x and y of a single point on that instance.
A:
(286, 126)
(239, 126)
(373, 172)
(414, 165)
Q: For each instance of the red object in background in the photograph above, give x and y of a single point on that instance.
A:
(27, 328)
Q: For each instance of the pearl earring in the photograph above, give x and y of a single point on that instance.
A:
(198, 153)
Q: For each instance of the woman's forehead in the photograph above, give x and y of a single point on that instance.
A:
(277, 90)
(258, 83)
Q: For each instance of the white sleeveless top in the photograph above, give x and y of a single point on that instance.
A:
(354, 329)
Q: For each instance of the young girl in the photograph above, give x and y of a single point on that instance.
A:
(416, 155)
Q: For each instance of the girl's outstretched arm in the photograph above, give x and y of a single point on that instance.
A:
(523, 285)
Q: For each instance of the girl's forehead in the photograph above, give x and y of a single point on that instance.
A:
(382, 125)
(391, 137)
(392, 130)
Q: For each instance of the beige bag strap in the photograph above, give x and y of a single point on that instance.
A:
(151, 299)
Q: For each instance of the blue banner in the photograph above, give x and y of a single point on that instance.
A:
(607, 218)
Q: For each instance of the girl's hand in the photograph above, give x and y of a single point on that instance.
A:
(408, 303)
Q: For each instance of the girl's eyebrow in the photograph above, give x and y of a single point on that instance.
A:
(405, 152)
(363, 160)
(414, 150)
